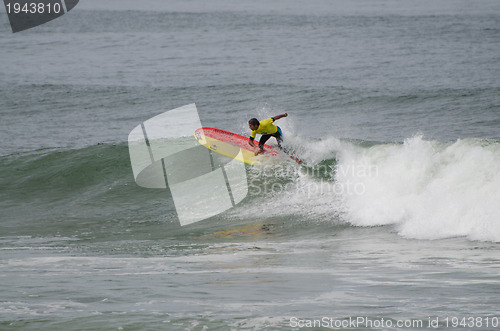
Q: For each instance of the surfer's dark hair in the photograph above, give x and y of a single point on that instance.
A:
(254, 121)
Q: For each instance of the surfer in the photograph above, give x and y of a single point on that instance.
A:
(267, 129)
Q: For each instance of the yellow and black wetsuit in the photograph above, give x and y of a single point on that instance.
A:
(267, 129)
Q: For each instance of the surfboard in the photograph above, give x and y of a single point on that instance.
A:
(230, 144)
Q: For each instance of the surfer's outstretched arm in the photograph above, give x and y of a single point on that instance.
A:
(277, 117)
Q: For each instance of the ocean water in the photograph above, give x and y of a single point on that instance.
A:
(391, 223)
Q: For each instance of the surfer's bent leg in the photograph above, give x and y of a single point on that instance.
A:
(279, 138)
(263, 139)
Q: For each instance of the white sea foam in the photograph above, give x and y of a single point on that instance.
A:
(430, 190)
(426, 189)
